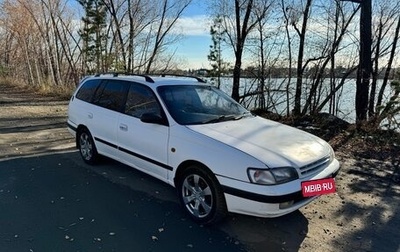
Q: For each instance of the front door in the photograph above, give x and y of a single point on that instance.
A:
(143, 145)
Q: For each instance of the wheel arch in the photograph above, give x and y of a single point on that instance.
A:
(184, 165)
(188, 163)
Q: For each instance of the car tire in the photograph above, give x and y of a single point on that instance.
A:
(86, 147)
(201, 195)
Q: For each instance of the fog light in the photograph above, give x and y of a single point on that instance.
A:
(286, 204)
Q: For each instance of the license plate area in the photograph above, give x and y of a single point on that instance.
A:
(318, 187)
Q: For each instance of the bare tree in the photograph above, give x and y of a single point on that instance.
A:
(301, 32)
(386, 15)
(170, 12)
(319, 30)
(117, 25)
(290, 59)
(341, 23)
(265, 44)
(238, 28)
(41, 38)
(140, 31)
(392, 106)
(28, 40)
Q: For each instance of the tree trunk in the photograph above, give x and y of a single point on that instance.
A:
(241, 31)
(300, 68)
(121, 48)
(290, 58)
(365, 68)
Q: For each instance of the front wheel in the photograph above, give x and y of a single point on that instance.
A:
(201, 195)
(87, 147)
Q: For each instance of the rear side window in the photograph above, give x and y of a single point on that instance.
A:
(113, 95)
(87, 90)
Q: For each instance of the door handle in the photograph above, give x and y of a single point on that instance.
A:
(90, 115)
(123, 127)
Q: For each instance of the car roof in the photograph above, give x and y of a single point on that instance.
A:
(152, 80)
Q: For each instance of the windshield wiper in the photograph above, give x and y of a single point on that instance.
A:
(245, 114)
(224, 118)
(221, 118)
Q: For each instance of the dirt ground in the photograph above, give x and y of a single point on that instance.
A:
(363, 215)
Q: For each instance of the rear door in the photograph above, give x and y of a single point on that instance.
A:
(109, 101)
(143, 145)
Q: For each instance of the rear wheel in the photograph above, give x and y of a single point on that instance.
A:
(87, 147)
(201, 195)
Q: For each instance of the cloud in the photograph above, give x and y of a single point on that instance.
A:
(193, 26)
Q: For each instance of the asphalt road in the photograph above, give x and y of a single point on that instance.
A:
(55, 202)
(50, 200)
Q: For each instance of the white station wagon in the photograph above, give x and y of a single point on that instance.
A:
(220, 157)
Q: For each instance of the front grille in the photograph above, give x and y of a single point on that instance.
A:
(315, 166)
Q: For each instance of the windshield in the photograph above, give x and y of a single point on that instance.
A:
(192, 104)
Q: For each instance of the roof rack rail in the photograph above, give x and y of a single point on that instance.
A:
(116, 74)
(187, 76)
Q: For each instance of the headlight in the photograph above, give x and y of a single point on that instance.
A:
(272, 176)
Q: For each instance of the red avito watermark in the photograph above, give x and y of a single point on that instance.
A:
(318, 187)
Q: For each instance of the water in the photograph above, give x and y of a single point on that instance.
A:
(276, 101)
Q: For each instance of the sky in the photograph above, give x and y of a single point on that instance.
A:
(194, 47)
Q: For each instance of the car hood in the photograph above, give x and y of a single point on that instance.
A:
(272, 143)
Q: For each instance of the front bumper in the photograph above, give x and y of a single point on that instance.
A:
(270, 201)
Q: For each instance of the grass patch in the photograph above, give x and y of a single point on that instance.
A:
(62, 92)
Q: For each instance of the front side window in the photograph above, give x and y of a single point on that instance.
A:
(141, 100)
(190, 104)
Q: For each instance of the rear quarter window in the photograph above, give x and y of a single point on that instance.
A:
(87, 90)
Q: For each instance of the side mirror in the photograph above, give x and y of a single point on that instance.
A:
(152, 118)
